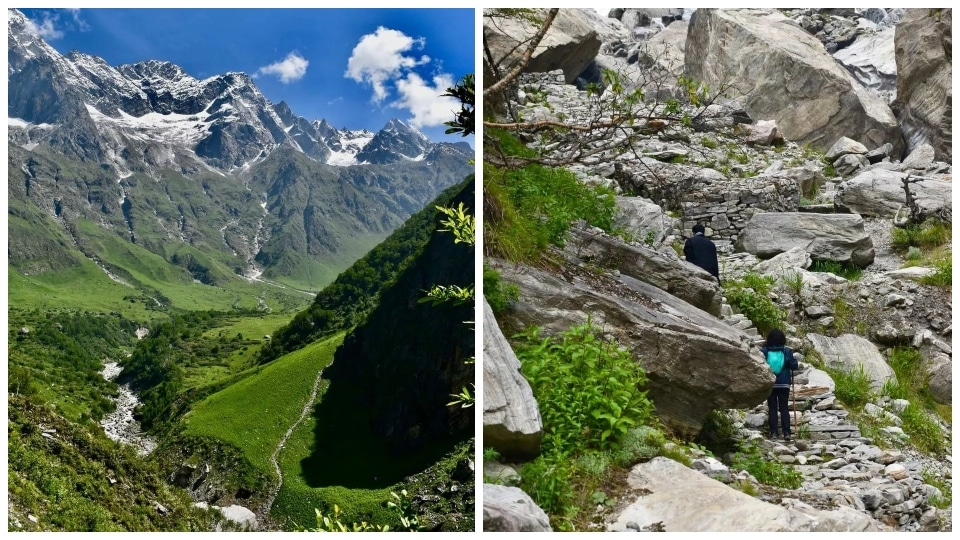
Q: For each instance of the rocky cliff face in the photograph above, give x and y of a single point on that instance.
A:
(924, 105)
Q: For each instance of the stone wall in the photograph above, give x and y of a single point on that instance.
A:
(726, 208)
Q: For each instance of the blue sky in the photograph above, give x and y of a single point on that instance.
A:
(357, 68)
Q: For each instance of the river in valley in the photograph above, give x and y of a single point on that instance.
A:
(120, 424)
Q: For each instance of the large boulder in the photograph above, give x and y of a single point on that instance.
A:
(848, 352)
(924, 103)
(643, 219)
(871, 60)
(879, 192)
(570, 43)
(681, 279)
(509, 509)
(684, 500)
(832, 237)
(511, 418)
(695, 363)
(783, 73)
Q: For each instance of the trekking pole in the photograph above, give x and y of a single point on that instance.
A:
(793, 387)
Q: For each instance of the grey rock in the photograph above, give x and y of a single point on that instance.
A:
(816, 312)
(644, 219)
(508, 508)
(849, 164)
(570, 43)
(844, 146)
(941, 379)
(835, 237)
(761, 49)
(848, 352)
(684, 500)
(679, 278)
(872, 61)
(511, 417)
(879, 192)
(499, 473)
(925, 79)
(920, 158)
(764, 133)
(695, 363)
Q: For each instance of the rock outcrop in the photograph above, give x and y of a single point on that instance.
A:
(510, 509)
(880, 192)
(924, 105)
(682, 499)
(848, 352)
(511, 418)
(784, 73)
(695, 363)
(570, 43)
(831, 237)
(683, 280)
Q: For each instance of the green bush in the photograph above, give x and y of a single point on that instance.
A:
(528, 208)
(547, 480)
(498, 294)
(639, 443)
(771, 473)
(588, 390)
(943, 277)
(923, 429)
(749, 296)
(930, 234)
(852, 387)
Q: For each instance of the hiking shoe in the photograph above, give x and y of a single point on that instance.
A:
(787, 437)
(773, 436)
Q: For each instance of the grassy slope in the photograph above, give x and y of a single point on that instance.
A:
(313, 274)
(254, 413)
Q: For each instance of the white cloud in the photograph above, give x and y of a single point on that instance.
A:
(47, 29)
(424, 101)
(81, 24)
(291, 68)
(379, 57)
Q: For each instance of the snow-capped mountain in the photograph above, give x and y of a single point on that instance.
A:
(156, 113)
(169, 162)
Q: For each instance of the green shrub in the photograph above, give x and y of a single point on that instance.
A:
(588, 390)
(846, 270)
(943, 277)
(923, 429)
(852, 387)
(749, 296)
(930, 234)
(594, 464)
(639, 443)
(528, 208)
(771, 473)
(547, 480)
(709, 143)
(498, 294)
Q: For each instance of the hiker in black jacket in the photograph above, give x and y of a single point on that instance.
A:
(779, 396)
(702, 252)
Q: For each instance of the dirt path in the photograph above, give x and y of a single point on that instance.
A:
(264, 513)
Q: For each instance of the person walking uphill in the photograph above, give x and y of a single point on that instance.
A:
(781, 361)
(702, 252)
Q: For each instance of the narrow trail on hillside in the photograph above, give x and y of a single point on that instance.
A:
(264, 512)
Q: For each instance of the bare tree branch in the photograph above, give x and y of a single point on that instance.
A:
(527, 55)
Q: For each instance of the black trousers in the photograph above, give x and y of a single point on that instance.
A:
(779, 401)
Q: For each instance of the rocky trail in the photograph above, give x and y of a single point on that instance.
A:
(802, 204)
(263, 514)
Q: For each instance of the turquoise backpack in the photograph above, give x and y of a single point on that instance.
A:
(775, 360)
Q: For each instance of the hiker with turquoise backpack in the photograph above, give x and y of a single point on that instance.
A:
(782, 363)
